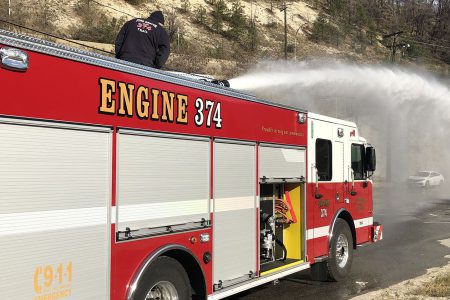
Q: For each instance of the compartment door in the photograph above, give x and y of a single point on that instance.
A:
(162, 182)
(234, 212)
(281, 162)
(55, 195)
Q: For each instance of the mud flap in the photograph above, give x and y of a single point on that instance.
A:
(319, 271)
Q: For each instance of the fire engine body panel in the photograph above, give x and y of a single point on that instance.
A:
(107, 166)
(333, 148)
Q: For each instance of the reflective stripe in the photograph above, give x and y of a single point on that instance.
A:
(39, 221)
(234, 203)
(30, 222)
(318, 232)
(363, 222)
(113, 215)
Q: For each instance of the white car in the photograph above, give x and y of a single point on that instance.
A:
(426, 179)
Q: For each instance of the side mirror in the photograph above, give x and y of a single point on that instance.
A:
(371, 160)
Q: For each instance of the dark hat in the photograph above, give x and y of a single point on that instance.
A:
(157, 16)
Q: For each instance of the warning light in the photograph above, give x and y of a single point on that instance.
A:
(204, 237)
(301, 118)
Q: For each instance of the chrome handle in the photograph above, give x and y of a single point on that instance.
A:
(316, 194)
(352, 192)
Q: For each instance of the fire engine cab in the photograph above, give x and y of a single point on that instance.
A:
(123, 182)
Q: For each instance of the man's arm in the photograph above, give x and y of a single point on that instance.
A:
(163, 51)
(120, 38)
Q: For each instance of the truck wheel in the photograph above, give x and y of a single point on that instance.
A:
(340, 255)
(166, 279)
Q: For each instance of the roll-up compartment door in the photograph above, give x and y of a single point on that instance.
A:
(281, 162)
(55, 194)
(234, 212)
(163, 182)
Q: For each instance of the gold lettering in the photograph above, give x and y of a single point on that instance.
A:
(107, 103)
(167, 106)
(37, 287)
(142, 103)
(182, 116)
(155, 95)
(125, 99)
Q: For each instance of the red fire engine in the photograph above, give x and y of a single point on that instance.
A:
(123, 182)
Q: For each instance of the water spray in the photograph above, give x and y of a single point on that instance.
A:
(404, 110)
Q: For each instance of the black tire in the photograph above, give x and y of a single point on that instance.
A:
(340, 256)
(162, 271)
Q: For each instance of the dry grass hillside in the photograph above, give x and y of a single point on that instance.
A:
(222, 38)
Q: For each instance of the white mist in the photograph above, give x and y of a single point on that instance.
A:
(411, 109)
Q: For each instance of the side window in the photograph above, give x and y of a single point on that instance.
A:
(358, 161)
(323, 159)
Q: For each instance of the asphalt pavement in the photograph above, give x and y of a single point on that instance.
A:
(414, 220)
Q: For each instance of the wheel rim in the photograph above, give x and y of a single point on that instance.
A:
(162, 290)
(342, 251)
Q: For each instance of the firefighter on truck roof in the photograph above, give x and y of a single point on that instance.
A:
(144, 41)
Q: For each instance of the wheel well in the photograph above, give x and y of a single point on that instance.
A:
(193, 270)
(345, 215)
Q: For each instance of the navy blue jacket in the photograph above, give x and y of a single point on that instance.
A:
(143, 41)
